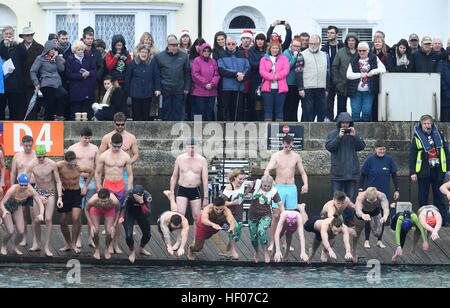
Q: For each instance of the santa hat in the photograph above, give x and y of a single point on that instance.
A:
(185, 32)
(247, 34)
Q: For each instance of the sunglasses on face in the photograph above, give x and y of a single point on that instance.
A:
(41, 157)
(117, 146)
(362, 50)
(23, 185)
(120, 124)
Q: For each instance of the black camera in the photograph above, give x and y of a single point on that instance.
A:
(283, 22)
(347, 131)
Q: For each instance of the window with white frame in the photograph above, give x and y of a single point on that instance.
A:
(158, 29)
(106, 26)
(362, 33)
(68, 23)
(242, 18)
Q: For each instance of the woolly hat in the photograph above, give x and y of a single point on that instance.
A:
(185, 32)
(247, 34)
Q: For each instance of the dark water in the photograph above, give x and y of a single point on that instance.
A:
(53, 276)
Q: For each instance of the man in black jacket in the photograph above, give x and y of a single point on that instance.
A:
(331, 47)
(425, 60)
(33, 50)
(174, 69)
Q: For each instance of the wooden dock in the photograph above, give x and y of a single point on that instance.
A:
(212, 254)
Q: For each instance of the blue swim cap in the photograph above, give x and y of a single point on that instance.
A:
(407, 225)
(23, 179)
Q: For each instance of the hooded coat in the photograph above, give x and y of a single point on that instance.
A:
(117, 66)
(46, 73)
(205, 71)
(344, 152)
(340, 66)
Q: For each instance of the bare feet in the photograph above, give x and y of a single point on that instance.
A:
(117, 250)
(132, 257)
(48, 253)
(111, 249)
(4, 250)
(234, 254)
(91, 243)
(23, 243)
(76, 249)
(18, 252)
(79, 245)
(145, 252)
(190, 255)
(367, 245)
(35, 248)
(107, 254)
(97, 254)
(66, 248)
(270, 249)
(256, 257)
(323, 257)
(381, 245)
(266, 257)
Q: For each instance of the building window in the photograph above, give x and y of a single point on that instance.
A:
(363, 34)
(242, 22)
(69, 23)
(158, 29)
(244, 17)
(107, 26)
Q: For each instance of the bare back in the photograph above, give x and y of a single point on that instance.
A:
(86, 155)
(190, 170)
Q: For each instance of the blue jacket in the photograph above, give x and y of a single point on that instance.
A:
(444, 69)
(2, 86)
(231, 64)
(141, 79)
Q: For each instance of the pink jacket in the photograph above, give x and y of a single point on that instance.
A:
(205, 72)
(282, 71)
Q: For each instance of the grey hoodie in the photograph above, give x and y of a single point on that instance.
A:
(46, 73)
(344, 158)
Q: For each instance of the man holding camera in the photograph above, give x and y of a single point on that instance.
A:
(344, 144)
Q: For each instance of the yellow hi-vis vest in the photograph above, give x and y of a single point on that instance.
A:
(442, 157)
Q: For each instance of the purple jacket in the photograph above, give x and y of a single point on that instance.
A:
(205, 71)
(81, 89)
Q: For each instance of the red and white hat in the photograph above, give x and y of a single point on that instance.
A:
(247, 34)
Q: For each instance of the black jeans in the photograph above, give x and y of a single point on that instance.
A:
(330, 103)
(291, 105)
(141, 109)
(144, 223)
(17, 105)
(50, 103)
(233, 106)
(342, 104)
